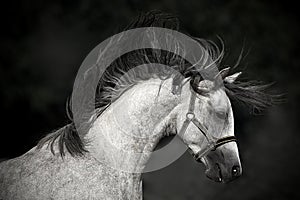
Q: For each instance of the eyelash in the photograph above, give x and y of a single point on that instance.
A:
(222, 115)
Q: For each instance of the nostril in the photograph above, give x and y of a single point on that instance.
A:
(235, 171)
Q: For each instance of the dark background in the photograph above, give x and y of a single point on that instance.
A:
(44, 42)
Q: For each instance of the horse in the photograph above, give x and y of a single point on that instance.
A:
(107, 162)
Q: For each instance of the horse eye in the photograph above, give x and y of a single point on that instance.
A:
(221, 115)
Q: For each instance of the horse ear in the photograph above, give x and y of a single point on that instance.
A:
(232, 78)
(223, 73)
(195, 83)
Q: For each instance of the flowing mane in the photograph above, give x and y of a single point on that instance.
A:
(111, 86)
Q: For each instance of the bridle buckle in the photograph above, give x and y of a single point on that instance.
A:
(190, 116)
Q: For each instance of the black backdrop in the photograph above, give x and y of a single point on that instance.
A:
(44, 42)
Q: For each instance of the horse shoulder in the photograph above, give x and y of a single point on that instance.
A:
(38, 174)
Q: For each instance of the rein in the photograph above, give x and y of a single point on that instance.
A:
(212, 143)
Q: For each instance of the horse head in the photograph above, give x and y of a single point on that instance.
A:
(206, 126)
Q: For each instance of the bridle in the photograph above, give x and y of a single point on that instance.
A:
(213, 144)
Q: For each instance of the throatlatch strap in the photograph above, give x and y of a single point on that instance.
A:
(189, 116)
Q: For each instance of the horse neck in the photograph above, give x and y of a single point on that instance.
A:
(127, 131)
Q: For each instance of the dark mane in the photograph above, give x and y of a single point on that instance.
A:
(66, 138)
(253, 94)
(250, 93)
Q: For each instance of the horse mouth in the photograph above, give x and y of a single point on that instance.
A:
(215, 173)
